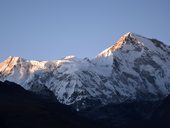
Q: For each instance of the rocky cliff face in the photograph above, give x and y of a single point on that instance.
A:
(134, 68)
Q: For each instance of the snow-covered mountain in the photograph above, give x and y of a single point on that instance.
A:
(134, 68)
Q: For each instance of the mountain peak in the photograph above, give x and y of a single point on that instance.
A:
(128, 34)
(16, 58)
(69, 57)
(128, 37)
(130, 41)
(10, 62)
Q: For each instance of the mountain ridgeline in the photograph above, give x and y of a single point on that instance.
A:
(135, 68)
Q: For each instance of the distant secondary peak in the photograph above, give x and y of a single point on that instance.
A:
(69, 57)
(13, 59)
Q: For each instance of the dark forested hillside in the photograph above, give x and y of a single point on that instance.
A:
(23, 109)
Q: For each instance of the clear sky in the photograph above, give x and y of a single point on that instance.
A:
(53, 29)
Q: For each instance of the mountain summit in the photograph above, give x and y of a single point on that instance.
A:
(130, 40)
(134, 68)
(117, 45)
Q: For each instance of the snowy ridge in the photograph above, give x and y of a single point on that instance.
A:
(134, 68)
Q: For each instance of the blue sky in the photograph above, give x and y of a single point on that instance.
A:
(53, 29)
